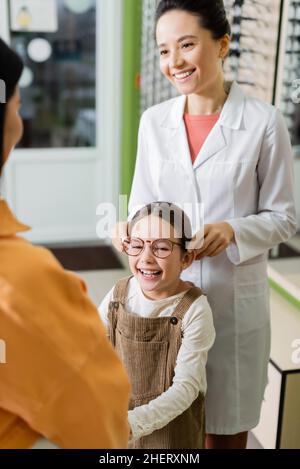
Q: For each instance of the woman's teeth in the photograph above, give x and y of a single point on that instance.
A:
(180, 76)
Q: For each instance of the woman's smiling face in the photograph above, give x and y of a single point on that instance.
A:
(189, 56)
(158, 278)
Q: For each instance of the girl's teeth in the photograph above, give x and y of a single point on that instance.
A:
(149, 274)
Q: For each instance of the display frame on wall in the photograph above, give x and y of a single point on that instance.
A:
(287, 91)
(58, 86)
(287, 96)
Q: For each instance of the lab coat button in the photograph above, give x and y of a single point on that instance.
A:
(174, 321)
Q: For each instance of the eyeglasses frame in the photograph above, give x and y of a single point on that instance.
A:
(173, 243)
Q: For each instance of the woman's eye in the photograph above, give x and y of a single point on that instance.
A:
(187, 44)
(163, 52)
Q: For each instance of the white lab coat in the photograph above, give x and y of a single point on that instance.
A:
(244, 175)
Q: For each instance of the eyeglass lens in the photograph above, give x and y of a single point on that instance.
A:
(160, 248)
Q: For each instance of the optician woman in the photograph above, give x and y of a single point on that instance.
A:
(62, 379)
(217, 147)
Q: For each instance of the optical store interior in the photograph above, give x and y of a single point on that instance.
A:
(91, 69)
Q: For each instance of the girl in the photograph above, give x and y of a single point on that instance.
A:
(217, 147)
(162, 329)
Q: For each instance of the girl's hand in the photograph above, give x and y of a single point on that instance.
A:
(217, 237)
(119, 232)
(130, 434)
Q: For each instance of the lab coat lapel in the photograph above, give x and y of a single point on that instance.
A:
(231, 118)
(178, 142)
(181, 149)
(214, 143)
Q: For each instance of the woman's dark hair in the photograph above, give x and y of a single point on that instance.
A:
(169, 212)
(211, 14)
(11, 67)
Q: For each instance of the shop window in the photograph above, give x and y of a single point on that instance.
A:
(58, 87)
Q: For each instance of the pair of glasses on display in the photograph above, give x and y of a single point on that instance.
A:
(250, 77)
(254, 25)
(251, 63)
(254, 28)
(257, 9)
(252, 84)
(288, 113)
(294, 6)
(294, 38)
(293, 51)
(294, 30)
(295, 18)
(287, 87)
(237, 13)
(265, 3)
(292, 45)
(250, 38)
(252, 67)
(237, 3)
(160, 248)
(252, 52)
(286, 96)
(291, 62)
(250, 30)
(289, 120)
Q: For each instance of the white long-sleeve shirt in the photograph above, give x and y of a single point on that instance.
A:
(190, 376)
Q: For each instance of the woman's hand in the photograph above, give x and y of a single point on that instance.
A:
(119, 232)
(217, 237)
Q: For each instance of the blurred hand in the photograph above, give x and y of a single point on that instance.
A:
(217, 237)
(119, 232)
(130, 434)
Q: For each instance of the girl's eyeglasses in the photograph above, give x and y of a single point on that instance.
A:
(160, 248)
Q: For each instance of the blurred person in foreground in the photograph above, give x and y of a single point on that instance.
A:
(62, 379)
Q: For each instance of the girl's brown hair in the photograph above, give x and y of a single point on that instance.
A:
(169, 212)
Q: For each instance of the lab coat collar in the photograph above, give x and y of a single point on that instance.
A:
(9, 225)
(231, 115)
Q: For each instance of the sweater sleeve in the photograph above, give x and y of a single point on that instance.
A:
(190, 375)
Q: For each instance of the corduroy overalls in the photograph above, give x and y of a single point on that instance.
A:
(148, 348)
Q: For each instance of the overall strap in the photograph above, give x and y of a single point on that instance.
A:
(119, 293)
(188, 299)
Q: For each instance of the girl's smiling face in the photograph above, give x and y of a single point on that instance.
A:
(158, 278)
(189, 56)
